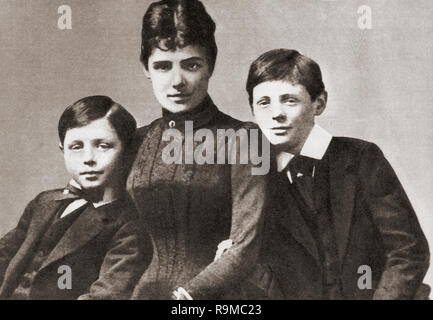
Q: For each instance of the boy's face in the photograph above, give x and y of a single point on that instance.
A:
(285, 113)
(93, 154)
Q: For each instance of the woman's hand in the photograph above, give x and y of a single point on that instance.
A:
(181, 294)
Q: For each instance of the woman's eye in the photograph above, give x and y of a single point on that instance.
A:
(193, 66)
(162, 66)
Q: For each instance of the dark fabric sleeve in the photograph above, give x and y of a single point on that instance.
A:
(406, 248)
(128, 255)
(248, 193)
(11, 242)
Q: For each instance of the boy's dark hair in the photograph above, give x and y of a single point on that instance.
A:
(287, 65)
(92, 108)
(171, 24)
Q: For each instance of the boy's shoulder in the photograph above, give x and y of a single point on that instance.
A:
(49, 195)
(351, 145)
(356, 153)
(120, 211)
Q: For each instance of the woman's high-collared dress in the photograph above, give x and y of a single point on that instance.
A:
(188, 209)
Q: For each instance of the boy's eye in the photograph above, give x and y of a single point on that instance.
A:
(76, 146)
(263, 103)
(104, 146)
(289, 100)
(162, 66)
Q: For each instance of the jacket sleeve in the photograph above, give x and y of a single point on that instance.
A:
(406, 249)
(128, 255)
(11, 242)
(238, 261)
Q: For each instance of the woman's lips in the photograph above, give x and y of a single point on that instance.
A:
(178, 97)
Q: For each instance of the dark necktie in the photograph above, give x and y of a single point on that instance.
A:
(301, 170)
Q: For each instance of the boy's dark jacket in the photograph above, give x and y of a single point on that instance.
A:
(102, 248)
(375, 225)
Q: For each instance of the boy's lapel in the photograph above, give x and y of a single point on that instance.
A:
(342, 194)
(290, 218)
(89, 224)
(300, 231)
(41, 221)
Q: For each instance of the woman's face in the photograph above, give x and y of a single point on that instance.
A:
(179, 78)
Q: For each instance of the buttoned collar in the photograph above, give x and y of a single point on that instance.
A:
(200, 115)
(314, 147)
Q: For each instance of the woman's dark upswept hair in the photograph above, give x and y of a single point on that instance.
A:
(287, 65)
(171, 24)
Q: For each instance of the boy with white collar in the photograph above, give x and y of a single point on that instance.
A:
(337, 209)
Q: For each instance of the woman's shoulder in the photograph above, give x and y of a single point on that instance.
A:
(142, 131)
(226, 121)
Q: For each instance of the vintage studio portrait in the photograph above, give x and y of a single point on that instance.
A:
(216, 150)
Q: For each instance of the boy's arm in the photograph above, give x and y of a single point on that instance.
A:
(12, 241)
(128, 255)
(406, 248)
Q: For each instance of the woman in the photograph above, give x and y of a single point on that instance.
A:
(190, 208)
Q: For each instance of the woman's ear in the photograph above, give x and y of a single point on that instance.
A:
(146, 73)
(61, 146)
(320, 103)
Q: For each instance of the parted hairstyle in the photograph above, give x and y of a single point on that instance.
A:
(92, 108)
(287, 65)
(171, 24)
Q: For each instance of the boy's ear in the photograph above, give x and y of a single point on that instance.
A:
(146, 73)
(61, 146)
(320, 103)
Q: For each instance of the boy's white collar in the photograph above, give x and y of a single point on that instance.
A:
(314, 147)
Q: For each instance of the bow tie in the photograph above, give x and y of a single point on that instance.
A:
(73, 192)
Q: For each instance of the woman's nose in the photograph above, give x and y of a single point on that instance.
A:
(178, 79)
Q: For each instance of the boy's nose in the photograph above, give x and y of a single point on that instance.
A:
(89, 157)
(277, 112)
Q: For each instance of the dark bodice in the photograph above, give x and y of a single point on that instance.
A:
(187, 208)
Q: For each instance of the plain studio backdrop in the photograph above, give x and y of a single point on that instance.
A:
(379, 80)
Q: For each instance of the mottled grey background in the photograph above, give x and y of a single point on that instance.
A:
(379, 81)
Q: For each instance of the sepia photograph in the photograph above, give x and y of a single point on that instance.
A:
(237, 150)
